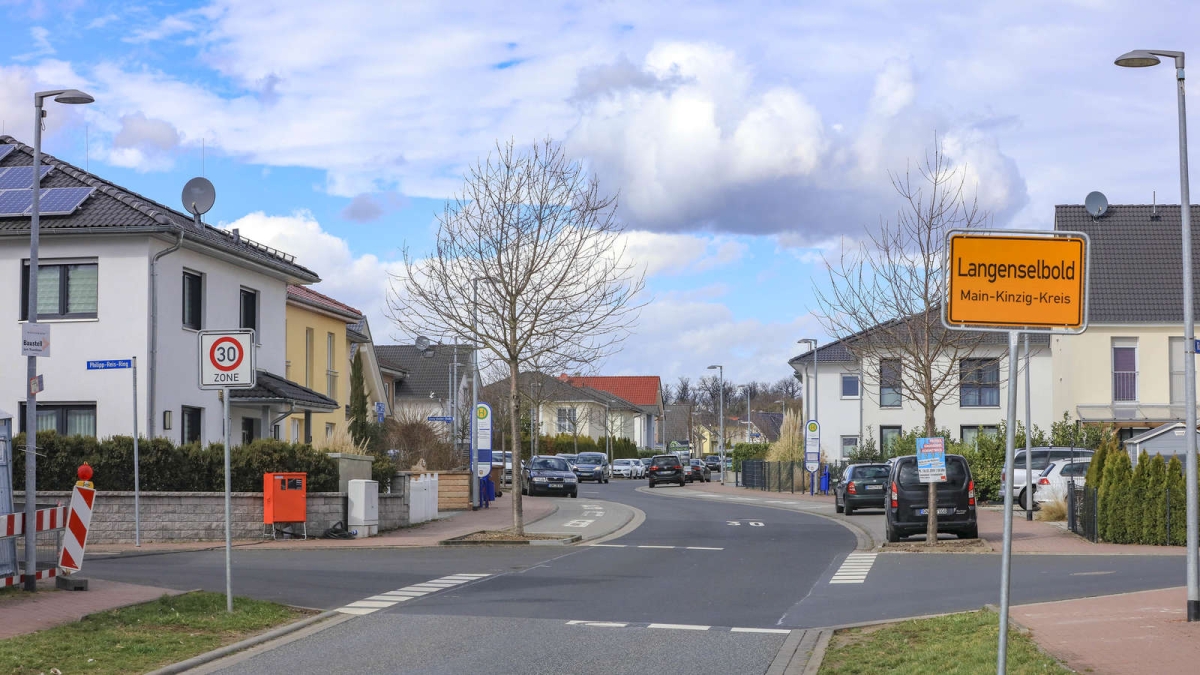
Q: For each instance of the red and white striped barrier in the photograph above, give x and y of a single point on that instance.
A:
(42, 574)
(79, 519)
(53, 518)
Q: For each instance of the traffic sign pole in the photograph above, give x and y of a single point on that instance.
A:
(228, 514)
(137, 474)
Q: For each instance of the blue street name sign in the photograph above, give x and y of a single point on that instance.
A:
(440, 419)
(110, 364)
(1197, 347)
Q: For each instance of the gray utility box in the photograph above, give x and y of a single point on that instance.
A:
(363, 506)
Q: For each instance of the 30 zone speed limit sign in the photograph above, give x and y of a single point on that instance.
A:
(226, 359)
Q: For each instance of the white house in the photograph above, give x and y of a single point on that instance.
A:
(121, 276)
(853, 401)
(570, 408)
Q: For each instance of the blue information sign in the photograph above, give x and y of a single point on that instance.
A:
(438, 418)
(110, 364)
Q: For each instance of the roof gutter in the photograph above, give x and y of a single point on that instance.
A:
(151, 410)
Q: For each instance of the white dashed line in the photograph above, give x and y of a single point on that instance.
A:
(854, 569)
(597, 624)
(644, 546)
(780, 631)
(608, 545)
(705, 548)
(392, 598)
(678, 626)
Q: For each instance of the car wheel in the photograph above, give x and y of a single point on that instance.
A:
(892, 535)
(574, 495)
(972, 533)
(847, 509)
(681, 483)
(651, 485)
(837, 506)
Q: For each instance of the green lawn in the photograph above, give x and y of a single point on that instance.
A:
(143, 637)
(959, 644)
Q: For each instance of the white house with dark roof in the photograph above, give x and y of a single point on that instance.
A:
(1127, 368)
(123, 276)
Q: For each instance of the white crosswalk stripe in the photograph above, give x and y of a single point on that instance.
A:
(392, 598)
(854, 569)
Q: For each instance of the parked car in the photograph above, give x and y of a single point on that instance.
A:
(1040, 458)
(624, 468)
(645, 461)
(700, 471)
(713, 462)
(1051, 485)
(503, 459)
(907, 503)
(665, 469)
(569, 457)
(593, 466)
(549, 475)
(639, 468)
(861, 486)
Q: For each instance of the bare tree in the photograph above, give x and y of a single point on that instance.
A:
(684, 392)
(532, 230)
(884, 296)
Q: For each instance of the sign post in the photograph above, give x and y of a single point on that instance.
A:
(131, 364)
(483, 438)
(1014, 281)
(227, 362)
(812, 451)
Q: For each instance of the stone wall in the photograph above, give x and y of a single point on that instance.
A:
(393, 508)
(196, 516)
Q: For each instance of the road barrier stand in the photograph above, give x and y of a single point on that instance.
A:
(63, 531)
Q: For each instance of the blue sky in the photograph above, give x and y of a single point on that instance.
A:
(746, 139)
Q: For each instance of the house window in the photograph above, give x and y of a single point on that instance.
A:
(67, 419)
(65, 291)
(193, 300)
(250, 430)
(308, 357)
(887, 437)
(970, 434)
(849, 445)
(1124, 365)
(190, 432)
(330, 373)
(849, 385)
(979, 383)
(1178, 354)
(566, 420)
(890, 384)
(249, 310)
(329, 428)
(295, 437)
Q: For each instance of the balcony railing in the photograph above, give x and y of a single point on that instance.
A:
(1124, 387)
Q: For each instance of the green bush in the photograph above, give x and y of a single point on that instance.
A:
(1138, 492)
(1115, 498)
(166, 467)
(1176, 503)
(744, 451)
(1154, 515)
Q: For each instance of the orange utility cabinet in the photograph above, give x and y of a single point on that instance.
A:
(285, 499)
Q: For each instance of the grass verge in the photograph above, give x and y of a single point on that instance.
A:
(959, 644)
(142, 637)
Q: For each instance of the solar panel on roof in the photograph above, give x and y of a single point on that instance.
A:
(5, 149)
(15, 202)
(61, 201)
(21, 177)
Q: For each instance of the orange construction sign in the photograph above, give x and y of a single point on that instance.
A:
(1012, 281)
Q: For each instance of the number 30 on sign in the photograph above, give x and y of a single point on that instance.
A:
(227, 359)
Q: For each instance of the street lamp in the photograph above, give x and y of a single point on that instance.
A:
(68, 96)
(816, 382)
(746, 390)
(1141, 58)
(721, 415)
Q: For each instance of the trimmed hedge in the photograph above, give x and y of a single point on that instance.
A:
(166, 467)
(1143, 505)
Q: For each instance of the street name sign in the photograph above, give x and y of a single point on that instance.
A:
(35, 339)
(931, 460)
(998, 280)
(227, 359)
(440, 418)
(812, 446)
(380, 411)
(110, 364)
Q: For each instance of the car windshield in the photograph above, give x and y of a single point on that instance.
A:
(865, 472)
(589, 458)
(956, 474)
(1039, 461)
(696, 462)
(549, 464)
(666, 461)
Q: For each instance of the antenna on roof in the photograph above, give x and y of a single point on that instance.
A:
(199, 195)
(1154, 205)
(1096, 204)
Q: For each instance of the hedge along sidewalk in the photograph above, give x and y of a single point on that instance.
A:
(142, 637)
(1038, 536)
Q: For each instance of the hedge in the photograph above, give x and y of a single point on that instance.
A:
(1143, 505)
(166, 467)
(622, 448)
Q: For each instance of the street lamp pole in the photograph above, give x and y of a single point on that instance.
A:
(816, 383)
(1139, 59)
(721, 415)
(746, 391)
(476, 498)
(69, 96)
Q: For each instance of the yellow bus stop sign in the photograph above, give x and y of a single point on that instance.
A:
(1013, 281)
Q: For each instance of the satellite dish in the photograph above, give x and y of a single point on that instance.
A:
(199, 196)
(422, 343)
(1096, 204)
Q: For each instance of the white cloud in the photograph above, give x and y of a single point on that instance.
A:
(144, 144)
(41, 45)
(674, 254)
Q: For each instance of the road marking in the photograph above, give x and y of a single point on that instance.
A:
(608, 545)
(578, 523)
(675, 626)
(678, 626)
(597, 624)
(392, 598)
(644, 546)
(854, 569)
(705, 548)
(779, 631)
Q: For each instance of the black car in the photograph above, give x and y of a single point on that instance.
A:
(908, 500)
(713, 462)
(700, 471)
(862, 486)
(665, 469)
(551, 476)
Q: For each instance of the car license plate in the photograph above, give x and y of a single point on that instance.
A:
(874, 487)
(668, 473)
(556, 485)
(941, 512)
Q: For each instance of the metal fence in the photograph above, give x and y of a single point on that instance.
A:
(758, 474)
(1081, 511)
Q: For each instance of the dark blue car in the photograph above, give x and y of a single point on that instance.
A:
(593, 466)
(549, 476)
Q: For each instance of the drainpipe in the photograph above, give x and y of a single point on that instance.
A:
(152, 375)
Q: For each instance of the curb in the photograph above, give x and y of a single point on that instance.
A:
(222, 652)
(460, 541)
(634, 522)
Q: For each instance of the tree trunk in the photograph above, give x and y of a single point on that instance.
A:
(514, 427)
(932, 522)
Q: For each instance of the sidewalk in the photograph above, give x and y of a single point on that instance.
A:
(1129, 633)
(22, 612)
(450, 524)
